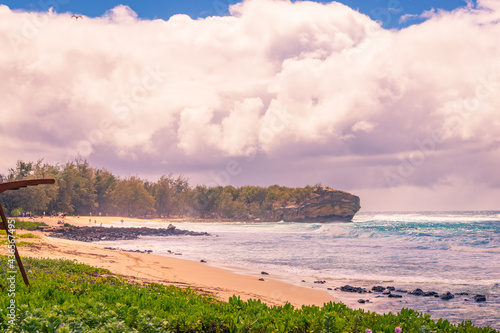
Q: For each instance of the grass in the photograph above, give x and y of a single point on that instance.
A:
(4, 241)
(70, 297)
(27, 225)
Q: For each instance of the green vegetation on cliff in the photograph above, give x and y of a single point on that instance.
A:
(70, 297)
(81, 190)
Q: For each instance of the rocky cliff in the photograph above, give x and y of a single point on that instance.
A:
(324, 205)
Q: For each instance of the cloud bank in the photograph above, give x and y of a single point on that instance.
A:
(277, 92)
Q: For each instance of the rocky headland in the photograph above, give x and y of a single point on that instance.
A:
(323, 205)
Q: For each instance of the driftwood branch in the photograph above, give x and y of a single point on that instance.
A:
(16, 185)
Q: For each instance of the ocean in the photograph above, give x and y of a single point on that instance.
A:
(457, 252)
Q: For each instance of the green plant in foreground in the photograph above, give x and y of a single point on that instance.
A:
(70, 297)
(27, 225)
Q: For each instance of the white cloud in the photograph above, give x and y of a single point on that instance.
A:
(364, 126)
(287, 81)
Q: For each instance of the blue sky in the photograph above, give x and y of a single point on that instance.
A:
(386, 11)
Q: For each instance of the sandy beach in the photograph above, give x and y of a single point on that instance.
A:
(172, 271)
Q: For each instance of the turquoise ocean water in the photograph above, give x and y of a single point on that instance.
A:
(434, 251)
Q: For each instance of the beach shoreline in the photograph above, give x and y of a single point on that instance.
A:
(150, 268)
(239, 240)
(288, 288)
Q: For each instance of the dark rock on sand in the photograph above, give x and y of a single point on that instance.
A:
(417, 292)
(395, 296)
(203, 261)
(139, 251)
(261, 279)
(378, 288)
(320, 282)
(264, 273)
(430, 294)
(447, 296)
(351, 289)
(95, 234)
(135, 251)
(480, 298)
(391, 288)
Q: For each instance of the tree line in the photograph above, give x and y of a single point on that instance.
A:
(81, 189)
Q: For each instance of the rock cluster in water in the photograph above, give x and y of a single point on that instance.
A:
(390, 292)
(324, 205)
(95, 234)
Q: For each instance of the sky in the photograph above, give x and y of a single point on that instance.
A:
(394, 101)
(388, 12)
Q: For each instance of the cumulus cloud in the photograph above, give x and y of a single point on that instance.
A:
(297, 92)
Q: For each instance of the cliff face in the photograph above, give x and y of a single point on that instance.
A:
(324, 205)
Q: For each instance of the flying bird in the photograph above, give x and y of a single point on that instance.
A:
(77, 16)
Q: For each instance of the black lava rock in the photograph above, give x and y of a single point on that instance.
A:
(430, 294)
(378, 288)
(264, 273)
(480, 298)
(394, 296)
(95, 234)
(447, 296)
(352, 289)
(417, 292)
